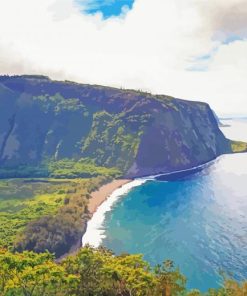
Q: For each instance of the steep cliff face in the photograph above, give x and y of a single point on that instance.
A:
(43, 120)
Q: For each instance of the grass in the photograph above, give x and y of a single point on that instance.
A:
(25, 200)
(238, 146)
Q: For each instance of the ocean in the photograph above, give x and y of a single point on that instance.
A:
(198, 221)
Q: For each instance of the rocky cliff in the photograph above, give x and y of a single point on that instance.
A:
(43, 121)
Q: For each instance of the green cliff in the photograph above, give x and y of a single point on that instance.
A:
(64, 129)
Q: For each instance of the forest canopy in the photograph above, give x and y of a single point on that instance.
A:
(96, 272)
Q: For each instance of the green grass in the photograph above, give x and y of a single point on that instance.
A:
(238, 146)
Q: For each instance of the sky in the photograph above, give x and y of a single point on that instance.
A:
(108, 8)
(190, 49)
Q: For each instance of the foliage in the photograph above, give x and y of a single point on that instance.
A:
(238, 146)
(84, 167)
(58, 232)
(90, 272)
(22, 201)
(96, 272)
(30, 274)
(60, 169)
(101, 273)
(114, 139)
(58, 104)
(40, 214)
(170, 280)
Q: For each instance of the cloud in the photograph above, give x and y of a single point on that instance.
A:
(225, 17)
(159, 45)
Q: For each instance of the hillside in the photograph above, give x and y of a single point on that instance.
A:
(47, 126)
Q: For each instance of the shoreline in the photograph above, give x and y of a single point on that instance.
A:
(102, 202)
(101, 195)
(97, 198)
(104, 198)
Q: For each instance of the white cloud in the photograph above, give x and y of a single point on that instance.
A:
(151, 48)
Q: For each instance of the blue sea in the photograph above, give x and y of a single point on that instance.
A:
(198, 221)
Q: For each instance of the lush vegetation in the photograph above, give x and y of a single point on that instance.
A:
(82, 168)
(22, 201)
(67, 130)
(96, 272)
(60, 169)
(45, 214)
(112, 142)
(58, 232)
(51, 214)
(238, 146)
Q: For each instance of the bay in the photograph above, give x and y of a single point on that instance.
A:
(199, 221)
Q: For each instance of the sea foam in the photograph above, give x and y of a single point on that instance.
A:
(95, 232)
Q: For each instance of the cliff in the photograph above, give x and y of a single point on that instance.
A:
(44, 122)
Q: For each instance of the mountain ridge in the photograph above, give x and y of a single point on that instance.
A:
(44, 121)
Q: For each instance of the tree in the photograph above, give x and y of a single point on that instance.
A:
(170, 281)
(31, 274)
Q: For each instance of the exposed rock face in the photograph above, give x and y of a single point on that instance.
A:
(139, 133)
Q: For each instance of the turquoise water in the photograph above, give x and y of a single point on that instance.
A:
(199, 222)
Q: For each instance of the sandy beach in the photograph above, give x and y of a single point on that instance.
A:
(99, 196)
(102, 201)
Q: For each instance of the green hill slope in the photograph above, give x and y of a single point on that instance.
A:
(127, 132)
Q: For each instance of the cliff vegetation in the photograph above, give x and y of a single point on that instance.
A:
(97, 272)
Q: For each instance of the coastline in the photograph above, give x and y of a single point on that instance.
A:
(97, 198)
(102, 194)
(104, 198)
(102, 202)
